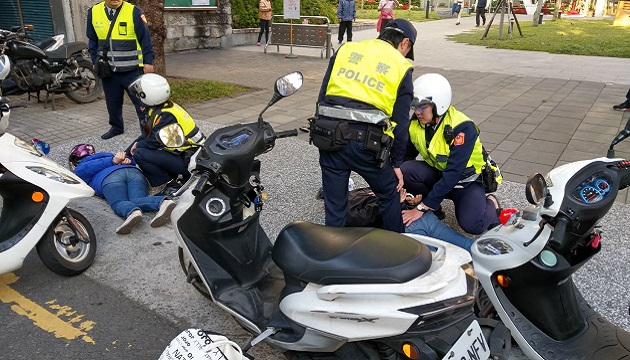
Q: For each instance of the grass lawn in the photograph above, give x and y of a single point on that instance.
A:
(574, 37)
(189, 91)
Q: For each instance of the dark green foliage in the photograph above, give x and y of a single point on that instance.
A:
(245, 12)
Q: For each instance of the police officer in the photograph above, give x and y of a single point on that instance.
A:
(454, 159)
(160, 164)
(367, 91)
(128, 51)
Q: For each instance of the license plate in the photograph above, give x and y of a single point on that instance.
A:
(472, 345)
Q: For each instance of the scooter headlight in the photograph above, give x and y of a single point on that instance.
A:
(26, 146)
(53, 175)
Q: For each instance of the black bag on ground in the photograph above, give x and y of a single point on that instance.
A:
(363, 208)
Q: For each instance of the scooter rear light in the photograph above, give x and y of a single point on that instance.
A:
(410, 351)
(503, 280)
(508, 216)
(37, 196)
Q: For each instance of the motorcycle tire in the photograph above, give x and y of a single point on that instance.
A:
(88, 92)
(57, 252)
(196, 280)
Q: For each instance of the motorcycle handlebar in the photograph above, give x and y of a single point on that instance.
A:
(288, 133)
(205, 176)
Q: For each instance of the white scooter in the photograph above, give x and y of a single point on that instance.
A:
(525, 266)
(34, 193)
(319, 292)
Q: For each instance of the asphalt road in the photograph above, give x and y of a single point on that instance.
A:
(134, 298)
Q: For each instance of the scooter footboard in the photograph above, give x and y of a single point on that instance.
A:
(599, 340)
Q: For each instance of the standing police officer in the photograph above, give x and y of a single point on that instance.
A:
(455, 163)
(160, 164)
(362, 121)
(129, 54)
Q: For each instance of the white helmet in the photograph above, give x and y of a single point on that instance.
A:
(434, 89)
(5, 67)
(151, 89)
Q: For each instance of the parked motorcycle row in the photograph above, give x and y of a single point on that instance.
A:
(48, 66)
(314, 292)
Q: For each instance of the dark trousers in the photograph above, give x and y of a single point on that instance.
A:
(474, 213)
(336, 167)
(115, 88)
(628, 95)
(343, 27)
(481, 12)
(384, 23)
(264, 27)
(160, 166)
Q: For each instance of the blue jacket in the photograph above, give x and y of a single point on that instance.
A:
(94, 169)
(346, 11)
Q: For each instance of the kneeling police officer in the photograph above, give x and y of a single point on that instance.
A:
(362, 121)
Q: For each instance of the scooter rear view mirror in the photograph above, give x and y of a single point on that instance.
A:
(536, 189)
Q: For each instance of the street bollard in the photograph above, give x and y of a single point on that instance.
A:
(540, 17)
(559, 13)
(328, 43)
(427, 8)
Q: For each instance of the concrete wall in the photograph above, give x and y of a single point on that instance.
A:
(186, 29)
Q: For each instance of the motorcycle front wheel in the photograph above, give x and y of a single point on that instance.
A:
(59, 249)
(88, 88)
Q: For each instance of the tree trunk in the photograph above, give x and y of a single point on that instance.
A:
(539, 6)
(154, 12)
(557, 9)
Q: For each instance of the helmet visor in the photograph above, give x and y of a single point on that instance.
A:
(420, 104)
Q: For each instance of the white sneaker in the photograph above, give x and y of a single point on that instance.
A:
(132, 220)
(163, 214)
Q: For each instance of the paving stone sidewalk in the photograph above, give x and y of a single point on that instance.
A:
(530, 121)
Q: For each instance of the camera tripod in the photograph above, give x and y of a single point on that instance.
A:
(501, 6)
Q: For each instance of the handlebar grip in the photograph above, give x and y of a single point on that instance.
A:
(196, 191)
(288, 133)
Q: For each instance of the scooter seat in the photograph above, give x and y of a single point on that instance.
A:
(64, 51)
(330, 255)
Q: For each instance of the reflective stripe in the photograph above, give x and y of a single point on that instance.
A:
(197, 137)
(376, 117)
(125, 53)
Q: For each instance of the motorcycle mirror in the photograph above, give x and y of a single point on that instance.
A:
(171, 136)
(536, 189)
(286, 85)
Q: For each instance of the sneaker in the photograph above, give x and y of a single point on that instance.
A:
(132, 220)
(258, 44)
(623, 106)
(163, 214)
(457, 23)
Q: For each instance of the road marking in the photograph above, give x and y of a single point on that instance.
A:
(43, 318)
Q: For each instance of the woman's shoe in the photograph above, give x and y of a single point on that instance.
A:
(258, 44)
(132, 220)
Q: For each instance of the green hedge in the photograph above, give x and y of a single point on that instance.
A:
(245, 12)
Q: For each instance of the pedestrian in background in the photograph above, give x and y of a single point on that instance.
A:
(117, 32)
(458, 9)
(624, 105)
(347, 13)
(264, 14)
(386, 8)
(480, 11)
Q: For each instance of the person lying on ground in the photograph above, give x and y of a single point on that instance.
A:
(116, 178)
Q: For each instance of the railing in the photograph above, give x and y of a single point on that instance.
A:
(302, 34)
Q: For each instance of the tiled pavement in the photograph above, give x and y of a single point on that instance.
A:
(535, 110)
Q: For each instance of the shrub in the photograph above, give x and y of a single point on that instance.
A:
(245, 12)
